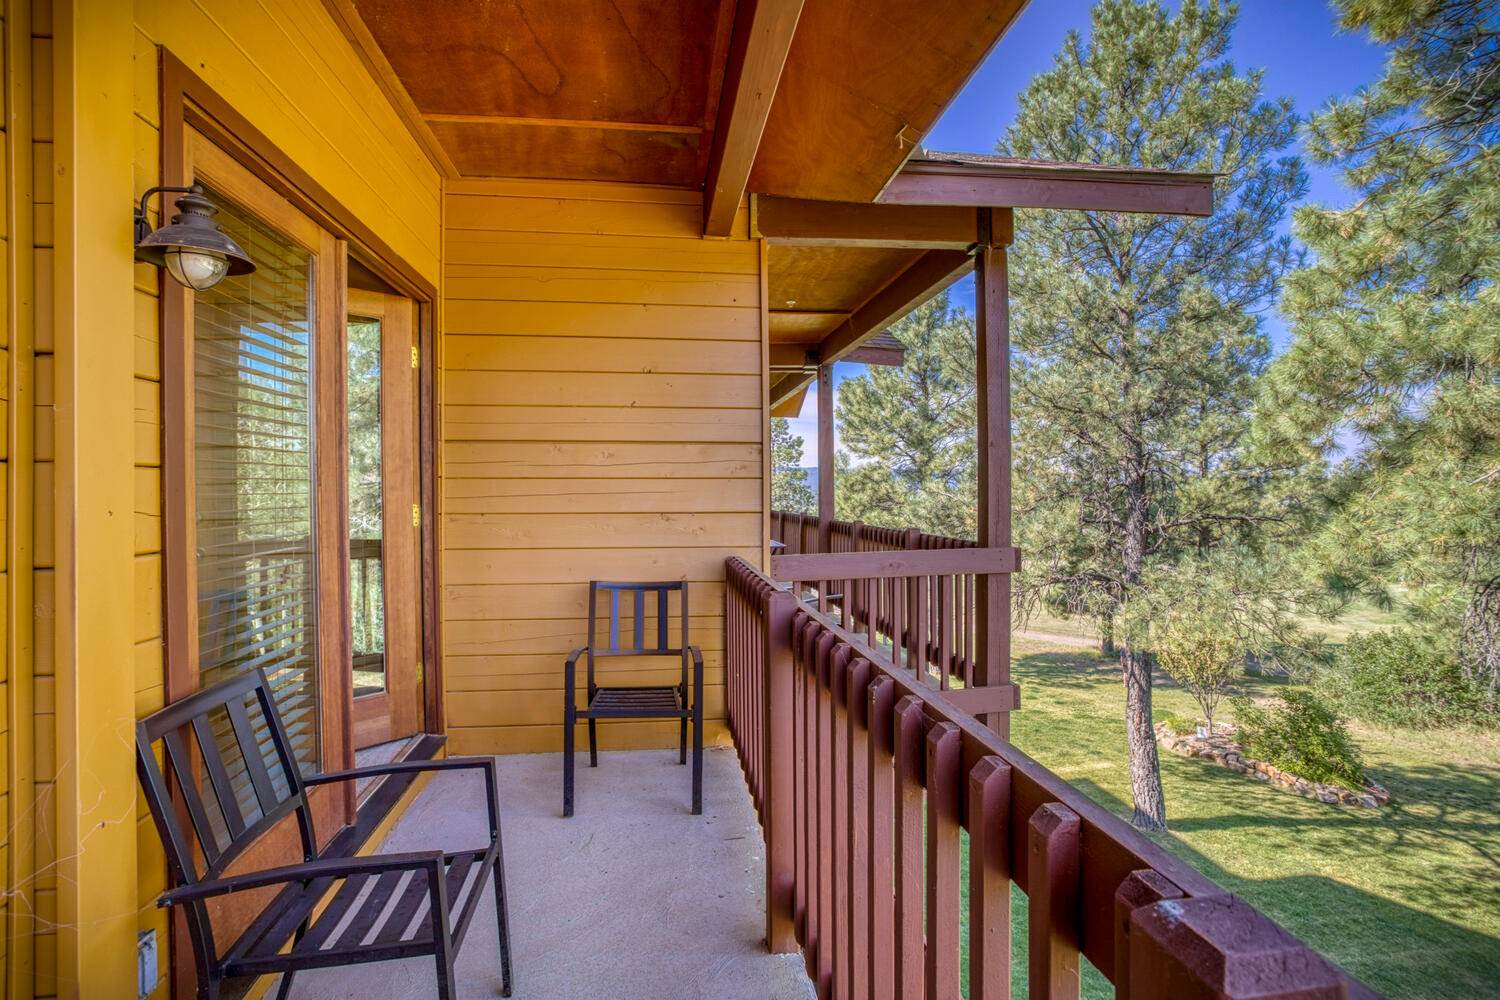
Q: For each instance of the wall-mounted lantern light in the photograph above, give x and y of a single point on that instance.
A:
(194, 248)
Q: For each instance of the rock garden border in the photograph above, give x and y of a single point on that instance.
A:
(1219, 748)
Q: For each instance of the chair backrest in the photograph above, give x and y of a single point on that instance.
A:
(228, 753)
(644, 640)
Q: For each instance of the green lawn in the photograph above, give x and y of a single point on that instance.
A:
(1407, 897)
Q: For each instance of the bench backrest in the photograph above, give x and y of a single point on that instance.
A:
(229, 756)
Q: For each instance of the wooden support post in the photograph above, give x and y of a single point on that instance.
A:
(781, 876)
(825, 458)
(992, 367)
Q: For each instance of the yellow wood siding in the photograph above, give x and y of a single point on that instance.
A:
(287, 68)
(601, 401)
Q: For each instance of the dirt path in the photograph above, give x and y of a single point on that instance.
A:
(1058, 637)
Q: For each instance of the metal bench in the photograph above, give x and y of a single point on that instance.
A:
(236, 778)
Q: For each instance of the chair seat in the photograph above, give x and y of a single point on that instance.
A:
(386, 912)
(637, 702)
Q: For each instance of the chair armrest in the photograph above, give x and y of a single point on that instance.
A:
(305, 872)
(697, 655)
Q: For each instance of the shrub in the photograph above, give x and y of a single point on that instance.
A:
(1198, 650)
(1180, 725)
(1399, 677)
(1302, 736)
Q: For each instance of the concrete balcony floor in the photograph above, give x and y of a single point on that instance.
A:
(631, 897)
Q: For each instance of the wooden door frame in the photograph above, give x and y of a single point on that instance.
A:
(188, 101)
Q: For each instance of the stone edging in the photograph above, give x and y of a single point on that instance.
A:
(1220, 749)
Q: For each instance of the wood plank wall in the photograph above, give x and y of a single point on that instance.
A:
(261, 57)
(601, 413)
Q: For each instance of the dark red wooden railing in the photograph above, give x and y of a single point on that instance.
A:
(913, 596)
(866, 778)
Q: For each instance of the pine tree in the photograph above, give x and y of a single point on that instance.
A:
(1137, 342)
(1396, 358)
(909, 431)
(789, 490)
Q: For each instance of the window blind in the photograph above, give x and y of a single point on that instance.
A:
(254, 497)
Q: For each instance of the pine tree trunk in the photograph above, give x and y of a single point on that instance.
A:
(1145, 767)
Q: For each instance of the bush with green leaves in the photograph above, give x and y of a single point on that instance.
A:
(1180, 725)
(1301, 735)
(1401, 677)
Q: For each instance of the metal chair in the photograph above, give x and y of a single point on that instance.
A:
(669, 701)
(381, 907)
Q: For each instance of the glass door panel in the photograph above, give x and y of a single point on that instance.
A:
(253, 475)
(366, 508)
(384, 573)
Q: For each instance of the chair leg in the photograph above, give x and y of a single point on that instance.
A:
(682, 742)
(502, 920)
(593, 745)
(447, 982)
(569, 722)
(698, 761)
(286, 985)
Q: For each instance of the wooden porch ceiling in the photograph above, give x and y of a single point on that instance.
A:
(814, 105)
(806, 98)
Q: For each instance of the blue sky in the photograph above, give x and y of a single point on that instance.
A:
(1293, 41)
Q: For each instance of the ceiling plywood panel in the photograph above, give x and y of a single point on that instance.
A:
(841, 126)
(619, 60)
(803, 327)
(571, 153)
(830, 279)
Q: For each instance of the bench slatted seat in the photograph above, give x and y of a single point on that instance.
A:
(666, 701)
(228, 753)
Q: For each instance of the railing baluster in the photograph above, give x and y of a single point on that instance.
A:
(823, 849)
(840, 802)
(989, 880)
(856, 697)
(944, 752)
(1052, 886)
(1143, 888)
(910, 763)
(881, 773)
(779, 773)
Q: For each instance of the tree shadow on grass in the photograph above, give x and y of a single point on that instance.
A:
(1393, 947)
(1080, 669)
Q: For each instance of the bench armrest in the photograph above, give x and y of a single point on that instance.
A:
(483, 764)
(401, 767)
(305, 872)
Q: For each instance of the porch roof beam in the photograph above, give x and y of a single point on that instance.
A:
(758, 48)
(1051, 185)
(924, 278)
(927, 275)
(803, 222)
(804, 357)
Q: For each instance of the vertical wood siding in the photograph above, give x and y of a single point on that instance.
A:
(601, 416)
